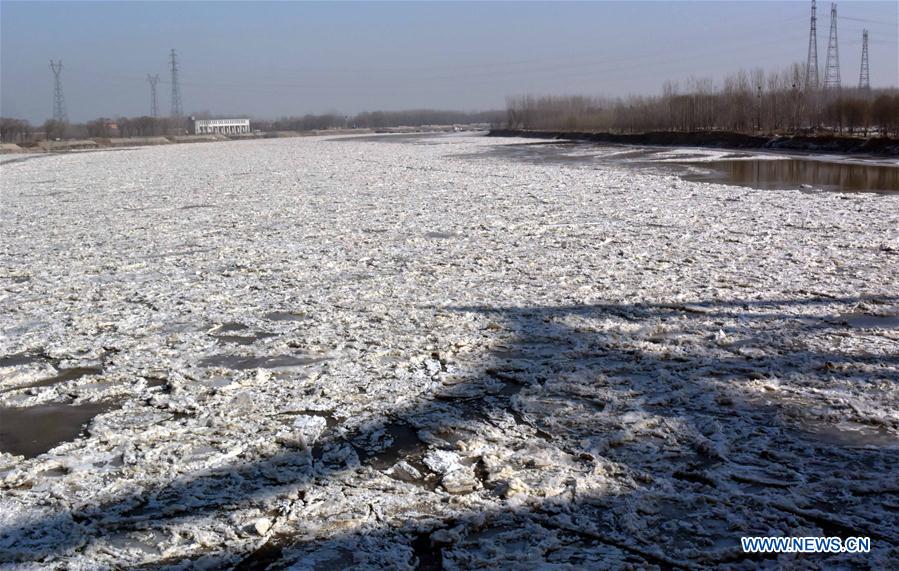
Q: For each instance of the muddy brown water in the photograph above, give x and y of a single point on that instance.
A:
(31, 431)
(799, 173)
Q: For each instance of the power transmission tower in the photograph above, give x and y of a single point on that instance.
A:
(811, 62)
(154, 107)
(59, 103)
(176, 88)
(832, 73)
(864, 79)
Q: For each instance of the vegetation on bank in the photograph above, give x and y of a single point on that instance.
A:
(20, 131)
(746, 102)
(381, 120)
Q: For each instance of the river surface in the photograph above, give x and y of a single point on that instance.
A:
(314, 354)
(770, 174)
(753, 169)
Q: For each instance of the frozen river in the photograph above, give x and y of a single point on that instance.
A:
(423, 353)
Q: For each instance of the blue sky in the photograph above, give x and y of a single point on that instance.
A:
(290, 58)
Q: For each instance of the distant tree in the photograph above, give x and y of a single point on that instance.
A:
(126, 127)
(145, 126)
(855, 112)
(885, 113)
(100, 127)
(14, 130)
(54, 129)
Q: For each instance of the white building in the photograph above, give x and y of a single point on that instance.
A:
(223, 126)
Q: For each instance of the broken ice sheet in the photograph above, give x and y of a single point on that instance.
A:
(596, 355)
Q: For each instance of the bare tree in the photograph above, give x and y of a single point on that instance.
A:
(14, 130)
(746, 101)
(54, 129)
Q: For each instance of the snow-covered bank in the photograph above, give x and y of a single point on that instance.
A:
(345, 352)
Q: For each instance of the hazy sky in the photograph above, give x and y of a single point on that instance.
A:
(276, 59)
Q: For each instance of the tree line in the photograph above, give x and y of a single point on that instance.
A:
(20, 131)
(381, 120)
(745, 102)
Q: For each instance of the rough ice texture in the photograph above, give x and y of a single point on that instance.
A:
(342, 353)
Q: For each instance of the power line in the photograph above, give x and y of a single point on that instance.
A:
(832, 72)
(176, 89)
(59, 102)
(154, 106)
(875, 22)
(624, 67)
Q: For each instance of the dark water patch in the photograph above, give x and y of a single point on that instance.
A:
(285, 316)
(241, 363)
(221, 334)
(428, 556)
(535, 153)
(354, 276)
(851, 435)
(268, 554)
(511, 384)
(34, 430)
(23, 159)
(798, 174)
(244, 339)
(25, 358)
(196, 206)
(403, 443)
(44, 194)
(394, 137)
(153, 382)
(57, 472)
(868, 321)
(440, 235)
(527, 350)
(62, 376)
(230, 327)
(182, 253)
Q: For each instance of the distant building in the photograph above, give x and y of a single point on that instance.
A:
(223, 126)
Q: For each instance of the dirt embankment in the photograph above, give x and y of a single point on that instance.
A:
(817, 143)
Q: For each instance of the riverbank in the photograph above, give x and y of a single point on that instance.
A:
(881, 146)
(99, 143)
